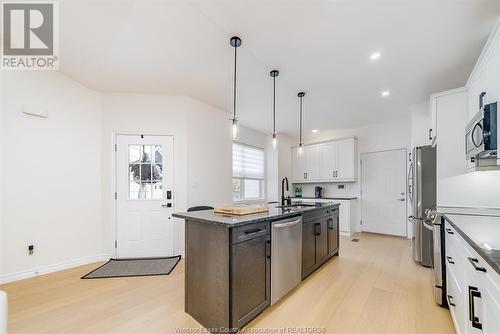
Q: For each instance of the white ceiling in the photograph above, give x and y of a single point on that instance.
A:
(322, 47)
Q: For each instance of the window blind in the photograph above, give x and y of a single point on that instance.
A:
(248, 162)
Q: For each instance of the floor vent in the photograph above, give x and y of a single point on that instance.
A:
(355, 240)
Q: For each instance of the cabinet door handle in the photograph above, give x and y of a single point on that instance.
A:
(473, 261)
(317, 229)
(450, 231)
(268, 249)
(450, 259)
(481, 99)
(288, 224)
(256, 230)
(449, 300)
(474, 293)
(430, 134)
(330, 224)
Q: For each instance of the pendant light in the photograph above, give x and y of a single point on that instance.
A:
(235, 43)
(301, 148)
(274, 74)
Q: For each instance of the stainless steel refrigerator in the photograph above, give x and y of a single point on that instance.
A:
(422, 196)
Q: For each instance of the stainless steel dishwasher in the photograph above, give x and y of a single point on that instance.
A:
(286, 256)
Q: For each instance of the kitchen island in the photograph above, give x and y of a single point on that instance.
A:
(228, 260)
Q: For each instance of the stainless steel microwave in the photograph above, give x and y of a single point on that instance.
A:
(481, 134)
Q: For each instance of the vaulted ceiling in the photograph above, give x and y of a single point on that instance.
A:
(322, 47)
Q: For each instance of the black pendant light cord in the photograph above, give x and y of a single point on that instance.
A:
(300, 95)
(234, 85)
(274, 105)
(274, 74)
(300, 121)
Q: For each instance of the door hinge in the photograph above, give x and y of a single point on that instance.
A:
(116, 196)
(360, 222)
(116, 244)
(116, 147)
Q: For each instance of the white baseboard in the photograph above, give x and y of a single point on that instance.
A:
(20, 275)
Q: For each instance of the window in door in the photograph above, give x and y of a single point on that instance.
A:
(248, 172)
(145, 172)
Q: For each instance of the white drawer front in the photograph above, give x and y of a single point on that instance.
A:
(456, 301)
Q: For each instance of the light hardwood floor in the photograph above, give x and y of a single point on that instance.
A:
(372, 287)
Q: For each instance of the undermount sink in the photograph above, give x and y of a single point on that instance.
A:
(295, 206)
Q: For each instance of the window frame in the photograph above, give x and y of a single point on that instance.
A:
(262, 196)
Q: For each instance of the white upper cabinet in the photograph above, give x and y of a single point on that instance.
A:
(333, 161)
(486, 74)
(298, 166)
(328, 161)
(346, 160)
(493, 73)
(433, 129)
(476, 87)
(312, 158)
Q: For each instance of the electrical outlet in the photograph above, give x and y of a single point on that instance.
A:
(31, 249)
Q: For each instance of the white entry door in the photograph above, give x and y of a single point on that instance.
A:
(383, 192)
(144, 183)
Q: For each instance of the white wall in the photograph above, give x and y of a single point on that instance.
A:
(279, 165)
(252, 137)
(2, 186)
(395, 134)
(272, 177)
(202, 149)
(51, 179)
(60, 184)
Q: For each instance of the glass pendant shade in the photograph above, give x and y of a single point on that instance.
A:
(235, 130)
(300, 150)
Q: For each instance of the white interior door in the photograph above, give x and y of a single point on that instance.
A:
(383, 197)
(144, 183)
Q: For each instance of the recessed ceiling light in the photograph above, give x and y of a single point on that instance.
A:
(375, 55)
(315, 130)
(385, 93)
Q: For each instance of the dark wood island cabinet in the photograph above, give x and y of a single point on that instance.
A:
(228, 261)
(320, 238)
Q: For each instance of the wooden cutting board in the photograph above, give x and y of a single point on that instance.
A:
(242, 209)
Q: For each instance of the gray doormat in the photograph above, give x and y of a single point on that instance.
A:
(135, 267)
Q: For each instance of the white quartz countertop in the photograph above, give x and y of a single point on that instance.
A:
(482, 233)
(483, 230)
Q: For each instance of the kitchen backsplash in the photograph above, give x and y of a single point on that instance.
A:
(329, 189)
